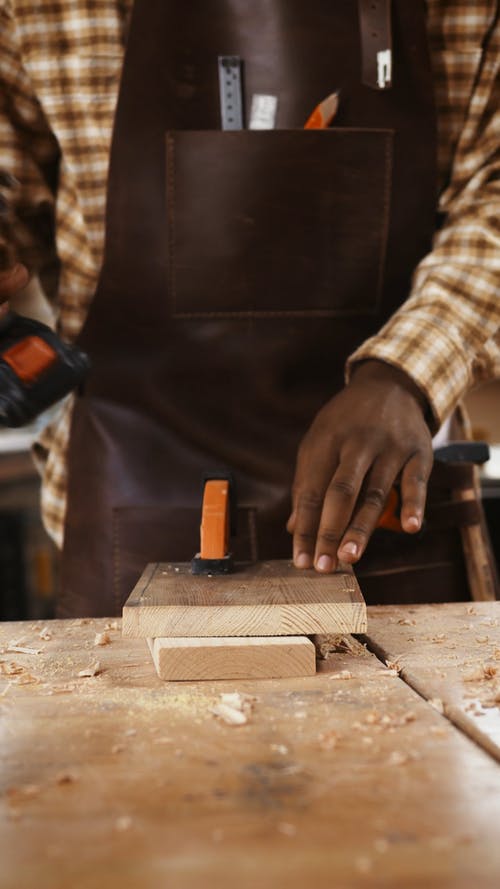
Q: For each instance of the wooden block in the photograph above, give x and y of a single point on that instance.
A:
(262, 599)
(261, 657)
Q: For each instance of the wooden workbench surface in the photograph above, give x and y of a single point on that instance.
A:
(349, 778)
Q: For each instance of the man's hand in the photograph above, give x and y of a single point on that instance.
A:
(11, 281)
(361, 441)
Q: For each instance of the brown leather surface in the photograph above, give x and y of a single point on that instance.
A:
(375, 34)
(240, 271)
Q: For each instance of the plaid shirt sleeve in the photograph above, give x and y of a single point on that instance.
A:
(59, 72)
(446, 336)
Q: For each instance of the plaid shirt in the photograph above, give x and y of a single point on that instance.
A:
(60, 66)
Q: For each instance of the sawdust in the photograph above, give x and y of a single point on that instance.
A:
(45, 634)
(335, 643)
(102, 639)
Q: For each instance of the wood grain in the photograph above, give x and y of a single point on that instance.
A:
(121, 781)
(264, 599)
(450, 654)
(258, 657)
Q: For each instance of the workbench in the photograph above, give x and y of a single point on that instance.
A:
(380, 771)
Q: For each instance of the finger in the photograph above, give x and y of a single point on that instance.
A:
(370, 507)
(12, 281)
(414, 491)
(290, 525)
(339, 504)
(309, 492)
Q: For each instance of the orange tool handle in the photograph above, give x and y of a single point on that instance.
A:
(390, 517)
(214, 530)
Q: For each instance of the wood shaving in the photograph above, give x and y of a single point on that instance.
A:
(394, 666)
(398, 758)
(26, 679)
(102, 639)
(10, 668)
(117, 748)
(123, 823)
(112, 625)
(482, 639)
(234, 708)
(288, 830)
(45, 634)
(407, 622)
(343, 674)
(333, 643)
(279, 748)
(91, 671)
(22, 649)
(484, 671)
(364, 865)
(23, 792)
(328, 740)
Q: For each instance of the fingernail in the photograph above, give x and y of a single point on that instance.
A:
(324, 563)
(302, 560)
(412, 523)
(349, 549)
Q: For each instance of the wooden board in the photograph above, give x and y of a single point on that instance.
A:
(450, 654)
(264, 599)
(240, 657)
(347, 778)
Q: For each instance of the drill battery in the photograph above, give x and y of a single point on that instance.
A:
(36, 369)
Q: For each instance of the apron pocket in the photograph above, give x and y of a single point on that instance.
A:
(277, 223)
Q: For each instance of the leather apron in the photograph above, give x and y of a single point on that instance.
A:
(241, 269)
